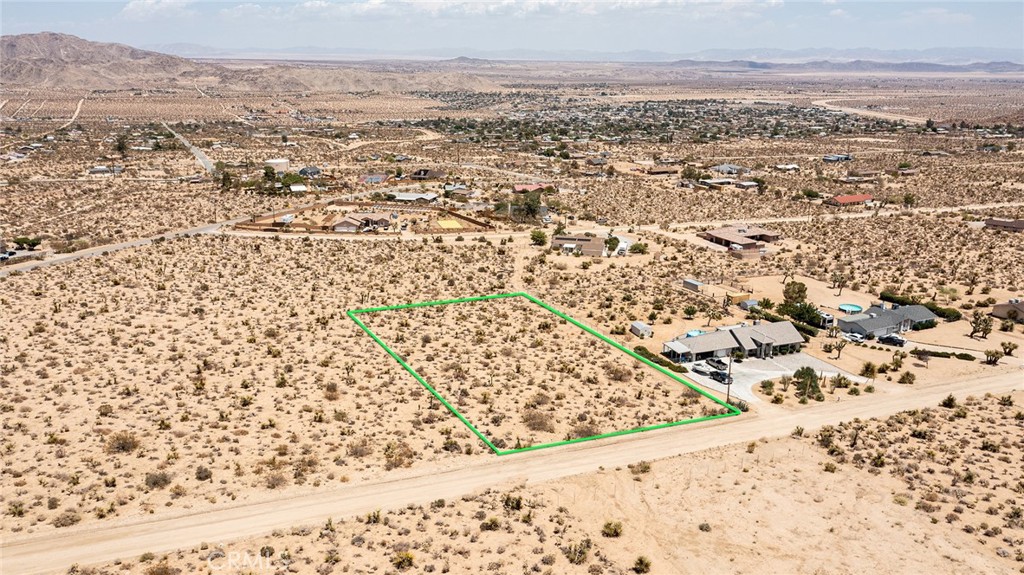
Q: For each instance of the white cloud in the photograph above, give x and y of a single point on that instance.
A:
(937, 15)
(839, 13)
(152, 9)
(328, 9)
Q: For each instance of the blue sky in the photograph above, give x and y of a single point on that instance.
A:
(674, 26)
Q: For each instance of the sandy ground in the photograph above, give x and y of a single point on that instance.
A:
(861, 514)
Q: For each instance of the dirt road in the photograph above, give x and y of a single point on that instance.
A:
(52, 552)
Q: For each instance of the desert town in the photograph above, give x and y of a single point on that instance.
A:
(758, 301)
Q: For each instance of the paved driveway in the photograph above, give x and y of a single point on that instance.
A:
(750, 372)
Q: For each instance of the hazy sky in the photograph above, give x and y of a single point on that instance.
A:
(675, 26)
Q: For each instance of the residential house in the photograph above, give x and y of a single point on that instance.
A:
(730, 169)
(1005, 225)
(583, 245)
(425, 174)
(762, 340)
(374, 178)
(878, 321)
(310, 172)
(837, 158)
(787, 168)
(849, 200)
(741, 237)
(1013, 309)
(419, 198)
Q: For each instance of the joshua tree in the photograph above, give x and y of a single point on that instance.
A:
(980, 323)
(1008, 348)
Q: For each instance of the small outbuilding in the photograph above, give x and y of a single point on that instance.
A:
(641, 329)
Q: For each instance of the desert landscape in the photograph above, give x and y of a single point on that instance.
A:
(815, 266)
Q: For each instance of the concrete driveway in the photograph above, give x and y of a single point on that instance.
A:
(751, 372)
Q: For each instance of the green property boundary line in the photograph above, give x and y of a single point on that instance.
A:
(731, 410)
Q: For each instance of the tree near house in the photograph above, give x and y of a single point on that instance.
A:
(713, 314)
(843, 281)
(690, 311)
(538, 238)
(838, 347)
(794, 293)
(765, 304)
(981, 323)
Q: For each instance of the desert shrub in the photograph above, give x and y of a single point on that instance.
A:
(640, 468)
(617, 372)
(642, 565)
(122, 442)
(276, 480)
(203, 473)
(577, 553)
(397, 454)
(158, 480)
(403, 560)
(705, 527)
(66, 519)
(491, 524)
(162, 569)
(538, 421)
(359, 447)
(655, 358)
(949, 402)
(612, 529)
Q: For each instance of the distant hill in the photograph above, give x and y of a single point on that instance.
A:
(62, 60)
(49, 59)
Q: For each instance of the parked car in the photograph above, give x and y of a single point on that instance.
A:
(721, 377)
(701, 369)
(892, 339)
(717, 364)
(854, 337)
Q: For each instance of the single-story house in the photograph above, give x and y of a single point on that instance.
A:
(762, 340)
(1013, 309)
(641, 329)
(526, 188)
(422, 198)
(716, 183)
(878, 321)
(356, 221)
(583, 245)
(99, 171)
(837, 158)
(1005, 225)
(662, 171)
(730, 169)
(596, 161)
(298, 189)
(425, 174)
(746, 237)
(747, 185)
(849, 200)
(310, 172)
(787, 168)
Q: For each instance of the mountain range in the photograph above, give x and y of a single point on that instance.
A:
(59, 60)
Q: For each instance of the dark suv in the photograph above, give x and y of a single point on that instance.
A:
(721, 377)
(892, 339)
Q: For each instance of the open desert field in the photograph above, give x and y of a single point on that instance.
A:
(202, 258)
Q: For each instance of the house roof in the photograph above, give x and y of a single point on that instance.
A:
(412, 197)
(779, 332)
(677, 347)
(714, 341)
(852, 199)
(640, 325)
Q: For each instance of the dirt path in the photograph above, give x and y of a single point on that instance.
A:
(127, 540)
(78, 110)
(867, 113)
